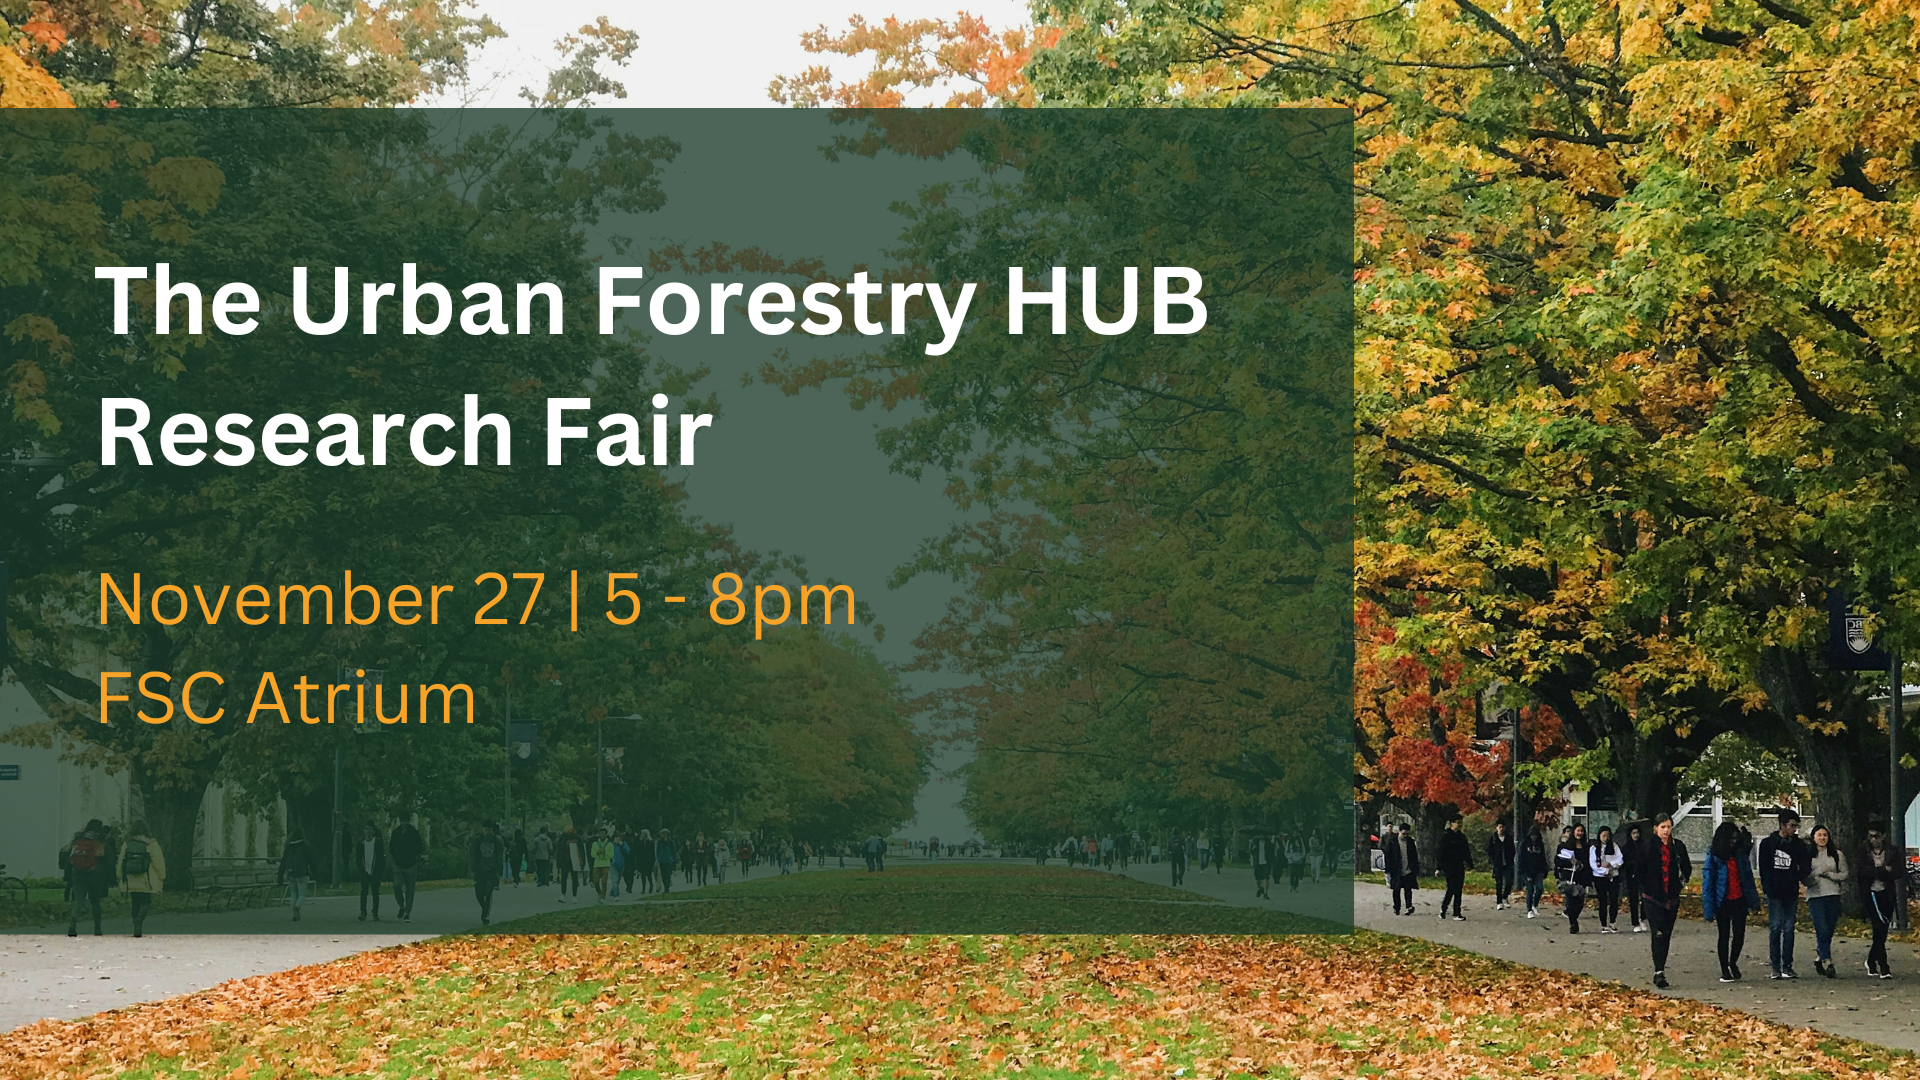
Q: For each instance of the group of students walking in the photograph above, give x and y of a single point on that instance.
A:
(94, 861)
(1650, 869)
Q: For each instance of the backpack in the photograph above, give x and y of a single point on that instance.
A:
(137, 860)
(85, 855)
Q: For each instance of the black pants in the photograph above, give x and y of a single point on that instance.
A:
(666, 877)
(1880, 914)
(1179, 872)
(1631, 885)
(1572, 903)
(142, 903)
(483, 891)
(569, 882)
(1405, 884)
(1606, 899)
(1502, 883)
(1660, 920)
(369, 886)
(1733, 936)
(1456, 884)
(542, 872)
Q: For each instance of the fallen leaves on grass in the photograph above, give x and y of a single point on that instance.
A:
(800, 1006)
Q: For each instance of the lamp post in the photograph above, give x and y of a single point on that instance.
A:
(600, 760)
(1896, 816)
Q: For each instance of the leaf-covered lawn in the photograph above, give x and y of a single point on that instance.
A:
(712, 1005)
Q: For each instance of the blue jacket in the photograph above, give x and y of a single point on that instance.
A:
(1713, 884)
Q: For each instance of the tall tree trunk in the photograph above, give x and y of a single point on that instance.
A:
(1809, 707)
(172, 811)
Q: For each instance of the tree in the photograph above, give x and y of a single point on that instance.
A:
(1157, 584)
(243, 53)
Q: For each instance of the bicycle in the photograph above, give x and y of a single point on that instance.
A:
(9, 884)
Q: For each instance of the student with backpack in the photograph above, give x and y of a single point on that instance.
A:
(485, 856)
(142, 872)
(571, 856)
(88, 874)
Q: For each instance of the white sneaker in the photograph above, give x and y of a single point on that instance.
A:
(1639, 929)
(1531, 913)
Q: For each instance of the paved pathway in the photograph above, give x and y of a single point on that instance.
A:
(1886, 1012)
(44, 973)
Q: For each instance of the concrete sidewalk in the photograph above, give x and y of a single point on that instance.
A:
(1886, 1012)
(1883, 1011)
(46, 974)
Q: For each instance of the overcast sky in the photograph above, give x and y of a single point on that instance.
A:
(691, 54)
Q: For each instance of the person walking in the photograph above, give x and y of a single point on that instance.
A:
(570, 859)
(1826, 874)
(1260, 853)
(540, 850)
(1571, 873)
(1726, 895)
(1316, 854)
(640, 858)
(1177, 858)
(1500, 864)
(600, 855)
(1403, 867)
(405, 852)
(370, 864)
(486, 853)
(1783, 866)
(517, 855)
(721, 854)
(1533, 869)
(1665, 867)
(142, 871)
(1296, 856)
(619, 874)
(1878, 869)
(1630, 874)
(296, 869)
(1205, 845)
(1604, 860)
(1456, 858)
(666, 852)
(88, 874)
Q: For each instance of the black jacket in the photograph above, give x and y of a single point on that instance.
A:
(1390, 845)
(405, 847)
(1866, 873)
(485, 853)
(1570, 862)
(1533, 855)
(1664, 889)
(1783, 864)
(295, 860)
(1456, 855)
(1499, 852)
